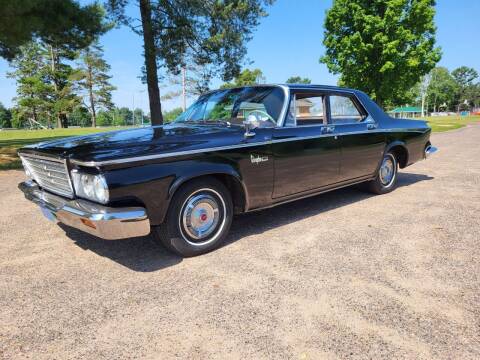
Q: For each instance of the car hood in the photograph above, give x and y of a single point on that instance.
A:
(139, 142)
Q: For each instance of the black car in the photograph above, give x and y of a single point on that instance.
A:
(233, 151)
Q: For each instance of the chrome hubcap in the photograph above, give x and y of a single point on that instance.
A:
(201, 216)
(387, 170)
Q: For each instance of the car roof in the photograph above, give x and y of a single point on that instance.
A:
(315, 87)
(299, 87)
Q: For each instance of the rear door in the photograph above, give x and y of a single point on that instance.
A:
(306, 153)
(361, 144)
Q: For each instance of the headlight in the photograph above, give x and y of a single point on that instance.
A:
(89, 186)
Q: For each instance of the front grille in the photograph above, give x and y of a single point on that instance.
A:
(51, 174)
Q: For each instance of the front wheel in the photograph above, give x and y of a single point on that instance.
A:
(198, 219)
(386, 179)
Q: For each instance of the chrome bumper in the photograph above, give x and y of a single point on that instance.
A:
(104, 222)
(429, 151)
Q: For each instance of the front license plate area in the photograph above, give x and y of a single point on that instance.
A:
(48, 214)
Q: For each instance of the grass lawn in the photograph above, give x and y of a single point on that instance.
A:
(12, 140)
(445, 123)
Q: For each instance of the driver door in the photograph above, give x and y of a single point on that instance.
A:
(306, 153)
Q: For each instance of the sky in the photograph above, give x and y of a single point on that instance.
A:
(286, 43)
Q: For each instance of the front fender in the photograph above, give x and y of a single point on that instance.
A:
(153, 185)
(203, 168)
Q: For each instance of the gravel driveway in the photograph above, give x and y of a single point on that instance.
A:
(341, 275)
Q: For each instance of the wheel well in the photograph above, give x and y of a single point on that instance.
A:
(234, 187)
(401, 154)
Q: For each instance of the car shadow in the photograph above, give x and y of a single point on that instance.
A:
(143, 254)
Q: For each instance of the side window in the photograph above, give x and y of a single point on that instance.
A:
(344, 111)
(306, 109)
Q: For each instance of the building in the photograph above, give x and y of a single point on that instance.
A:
(406, 112)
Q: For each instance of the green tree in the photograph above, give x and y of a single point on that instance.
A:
(171, 115)
(19, 121)
(104, 118)
(70, 23)
(61, 77)
(137, 116)
(34, 103)
(442, 90)
(465, 77)
(246, 77)
(298, 80)
(123, 116)
(93, 80)
(180, 32)
(5, 117)
(382, 47)
(473, 95)
(80, 116)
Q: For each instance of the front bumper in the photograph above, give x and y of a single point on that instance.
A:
(105, 222)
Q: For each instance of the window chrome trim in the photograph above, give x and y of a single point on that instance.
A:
(283, 114)
(325, 93)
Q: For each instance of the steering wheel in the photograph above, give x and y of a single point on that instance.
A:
(263, 114)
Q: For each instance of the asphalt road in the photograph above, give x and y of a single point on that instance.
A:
(341, 275)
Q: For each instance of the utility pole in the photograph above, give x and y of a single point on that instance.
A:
(133, 108)
(184, 90)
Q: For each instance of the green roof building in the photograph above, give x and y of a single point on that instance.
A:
(406, 112)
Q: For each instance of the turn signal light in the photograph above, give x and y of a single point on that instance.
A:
(88, 223)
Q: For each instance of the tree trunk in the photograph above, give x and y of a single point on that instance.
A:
(61, 120)
(90, 95)
(423, 105)
(151, 63)
(184, 90)
(378, 100)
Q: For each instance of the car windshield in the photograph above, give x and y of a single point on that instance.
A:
(234, 105)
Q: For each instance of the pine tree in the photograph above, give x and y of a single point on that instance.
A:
(60, 76)
(93, 80)
(33, 98)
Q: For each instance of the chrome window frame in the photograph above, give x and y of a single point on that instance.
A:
(356, 103)
(324, 96)
(327, 93)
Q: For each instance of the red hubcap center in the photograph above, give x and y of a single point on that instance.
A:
(203, 217)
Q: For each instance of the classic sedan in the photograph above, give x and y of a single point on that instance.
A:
(233, 151)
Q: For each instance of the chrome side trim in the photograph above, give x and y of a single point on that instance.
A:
(105, 222)
(304, 195)
(219, 148)
(161, 156)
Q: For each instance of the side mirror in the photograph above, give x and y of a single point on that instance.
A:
(251, 123)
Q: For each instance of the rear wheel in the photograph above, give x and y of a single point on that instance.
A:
(386, 179)
(198, 219)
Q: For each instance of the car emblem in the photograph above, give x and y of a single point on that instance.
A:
(256, 159)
